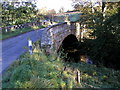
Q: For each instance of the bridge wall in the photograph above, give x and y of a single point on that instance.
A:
(53, 36)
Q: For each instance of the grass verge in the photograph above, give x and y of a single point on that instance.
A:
(17, 32)
(41, 71)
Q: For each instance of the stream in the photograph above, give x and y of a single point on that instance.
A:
(73, 55)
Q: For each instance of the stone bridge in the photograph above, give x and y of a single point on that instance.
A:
(53, 36)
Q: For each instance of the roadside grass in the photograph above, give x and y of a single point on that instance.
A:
(17, 32)
(41, 71)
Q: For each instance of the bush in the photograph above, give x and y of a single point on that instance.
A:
(41, 71)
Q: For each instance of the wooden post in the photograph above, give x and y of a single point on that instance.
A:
(78, 76)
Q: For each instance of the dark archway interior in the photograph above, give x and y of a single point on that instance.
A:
(70, 42)
(70, 48)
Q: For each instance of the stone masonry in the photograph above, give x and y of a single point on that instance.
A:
(53, 36)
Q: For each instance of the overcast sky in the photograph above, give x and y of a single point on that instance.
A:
(55, 4)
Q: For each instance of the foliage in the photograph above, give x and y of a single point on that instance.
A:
(97, 77)
(44, 11)
(61, 10)
(41, 71)
(14, 13)
(16, 32)
(104, 25)
(106, 46)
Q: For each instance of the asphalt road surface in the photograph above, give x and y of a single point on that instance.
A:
(12, 48)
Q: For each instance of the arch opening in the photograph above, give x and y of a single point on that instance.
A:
(69, 49)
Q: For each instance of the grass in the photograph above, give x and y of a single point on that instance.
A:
(41, 71)
(17, 32)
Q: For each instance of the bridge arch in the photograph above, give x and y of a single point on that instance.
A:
(62, 34)
(69, 42)
(69, 46)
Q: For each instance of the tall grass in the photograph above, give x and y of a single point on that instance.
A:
(41, 71)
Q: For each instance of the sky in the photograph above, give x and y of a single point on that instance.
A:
(55, 4)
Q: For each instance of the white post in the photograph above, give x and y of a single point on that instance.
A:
(6, 30)
(78, 30)
(30, 46)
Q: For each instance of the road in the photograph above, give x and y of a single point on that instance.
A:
(12, 48)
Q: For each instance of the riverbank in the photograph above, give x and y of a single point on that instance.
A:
(41, 71)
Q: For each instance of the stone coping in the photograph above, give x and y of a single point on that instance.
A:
(56, 25)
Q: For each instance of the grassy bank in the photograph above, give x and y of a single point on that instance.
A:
(17, 32)
(41, 71)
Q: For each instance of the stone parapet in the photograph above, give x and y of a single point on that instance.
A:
(53, 36)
